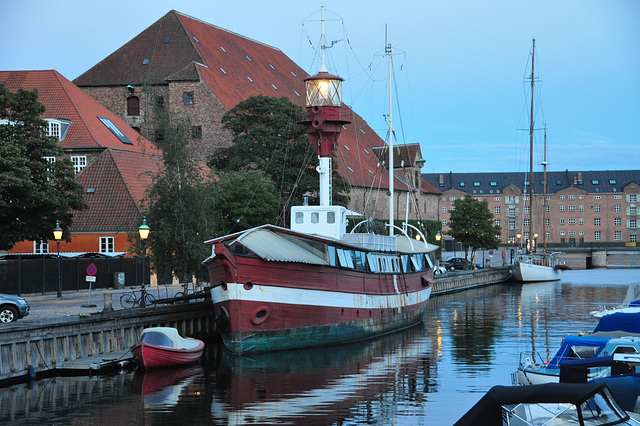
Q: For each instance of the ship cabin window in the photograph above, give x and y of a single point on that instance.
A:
(299, 217)
(239, 249)
(332, 256)
(359, 260)
(417, 261)
(581, 352)
(331, 217)
(624, 350)
(404, 259)
(429, 262)
(315, 217)
(345, 259)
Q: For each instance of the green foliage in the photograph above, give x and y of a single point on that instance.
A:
(245, 200)
(34, 193)
(472, 225)
(180, 205)
(266, 137)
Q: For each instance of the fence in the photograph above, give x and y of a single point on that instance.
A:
(25, 274)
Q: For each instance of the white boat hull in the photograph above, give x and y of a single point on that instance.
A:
(529, 272)
(528, 377)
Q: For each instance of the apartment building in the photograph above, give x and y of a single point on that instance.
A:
(577, 208)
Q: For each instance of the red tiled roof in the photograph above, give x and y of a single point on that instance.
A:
(115, 185)
(234, 68)
(64, 100)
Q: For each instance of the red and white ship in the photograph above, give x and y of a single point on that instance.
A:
(315, 284)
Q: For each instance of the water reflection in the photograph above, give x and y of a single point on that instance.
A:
(163, 388)
(326, 385)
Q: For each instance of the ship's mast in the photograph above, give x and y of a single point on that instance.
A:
(544, 194)
(531, 226)
(391, 178)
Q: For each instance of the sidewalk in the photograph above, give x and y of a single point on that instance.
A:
(83, 303)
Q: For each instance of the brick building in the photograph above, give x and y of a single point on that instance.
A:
(589, 207)
(203, 71)
(110, 160)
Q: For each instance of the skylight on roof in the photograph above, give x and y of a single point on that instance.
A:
(612, 182)
(167, 40)
(197, 41)
(371, 172)
(272, 67)
(145, 62)
(223, 71)
(274, 86)
(595, 182)
(293, 74)
(362, 131)
(297, 94)
(365, 150)
(249, 78)
(223, 49)
(248, 58)
(347, 148)
(115, 130)
(350, 169)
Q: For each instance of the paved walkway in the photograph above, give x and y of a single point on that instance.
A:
(72, 304)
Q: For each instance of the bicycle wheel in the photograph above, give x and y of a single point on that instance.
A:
(128, 300)
(149, 299)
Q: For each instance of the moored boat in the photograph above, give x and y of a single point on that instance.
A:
(315, 284)
(533, 268)
(164, 347)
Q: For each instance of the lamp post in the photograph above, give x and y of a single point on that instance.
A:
(535, 242)
(143, 231)
(438, 239)
(57, 235)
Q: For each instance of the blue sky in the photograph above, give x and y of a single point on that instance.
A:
(460, 83)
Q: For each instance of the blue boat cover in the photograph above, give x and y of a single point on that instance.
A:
(577, 370)
(625, 389)
(570, 341)
(629, 322)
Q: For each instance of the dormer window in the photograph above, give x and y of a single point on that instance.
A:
(58, 128)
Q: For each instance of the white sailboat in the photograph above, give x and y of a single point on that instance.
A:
(532, 266)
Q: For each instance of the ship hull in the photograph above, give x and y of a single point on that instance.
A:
(528, 272)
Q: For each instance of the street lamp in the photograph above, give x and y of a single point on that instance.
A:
(535, 242)
(57, 235)
(143, 230)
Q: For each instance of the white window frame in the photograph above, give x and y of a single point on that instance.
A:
(107, 245)
(79, 163)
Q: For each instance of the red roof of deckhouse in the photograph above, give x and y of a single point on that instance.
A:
(234, 67)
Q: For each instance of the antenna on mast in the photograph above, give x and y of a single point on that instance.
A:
(323, 65)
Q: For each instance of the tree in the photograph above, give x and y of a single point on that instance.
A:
(472, 225)
(37, 182)
(245, 200)
(267, 137)
(179, 204)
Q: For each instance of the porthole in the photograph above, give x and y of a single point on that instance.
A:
(260, 315)
(248, 285)
(223, 284)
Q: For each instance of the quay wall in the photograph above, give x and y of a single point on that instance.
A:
(35, 349)
(464, 280)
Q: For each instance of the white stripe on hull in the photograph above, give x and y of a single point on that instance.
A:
(334, 299)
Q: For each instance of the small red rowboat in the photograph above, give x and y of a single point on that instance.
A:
(164, 347)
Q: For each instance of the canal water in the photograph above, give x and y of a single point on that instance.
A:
(427, 375)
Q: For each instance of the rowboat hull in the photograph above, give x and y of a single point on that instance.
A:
(153, 356)
(530, 272)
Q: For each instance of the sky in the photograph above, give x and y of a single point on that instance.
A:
(460, 67)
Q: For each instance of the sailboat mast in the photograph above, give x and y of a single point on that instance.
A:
(531, 226)
(391, 178)
(544, 194)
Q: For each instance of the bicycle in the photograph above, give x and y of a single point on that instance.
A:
(130, 300)
(197, 289)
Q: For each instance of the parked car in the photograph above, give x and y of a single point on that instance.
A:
(454, 263)
(12, 308)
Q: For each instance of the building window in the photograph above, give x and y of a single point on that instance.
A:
(133, 106)
(597, 197)
(547, 236)
(562, 197)
(571, 197)
(572, 221)
(109, 124)
(496, 198)
(632, 224)
(546, 209)
(512, 225)
(572, 233)
(562, 208)
(617, 197)
(79, 163)
(617, 221)
(562, 221)
(196, 132)
(526, 210)
(496, 210)
(581, 208)
(525, 222)
(596, 221)
(54, 130)
(597, 235)
(188, 98)
(596, 209)
(444, 223)
(633, 238)
(571, 208)
(617, 208)
(106, 244)
(444, 198)
(40, 247)
(618, 235)
(632, 210)
(581, 221)
(444, 210)
(160, 101)
(547, 222)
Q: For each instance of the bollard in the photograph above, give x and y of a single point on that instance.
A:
(108, 302)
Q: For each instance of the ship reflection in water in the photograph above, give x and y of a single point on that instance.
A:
(325, 384)
(430, 374)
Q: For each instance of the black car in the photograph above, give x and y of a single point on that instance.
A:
(12, 308)
(454, 263)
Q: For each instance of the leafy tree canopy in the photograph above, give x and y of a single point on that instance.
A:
(266, 137)
(34, 192)
(472, 225)
(180, 205)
